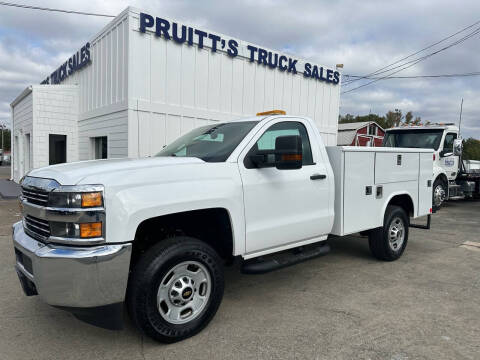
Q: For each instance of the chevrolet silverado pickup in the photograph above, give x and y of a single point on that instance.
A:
(154, 234)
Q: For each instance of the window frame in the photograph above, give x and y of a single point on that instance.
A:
(455, 136)
(246, 162)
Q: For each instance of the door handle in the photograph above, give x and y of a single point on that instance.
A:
(318, 177)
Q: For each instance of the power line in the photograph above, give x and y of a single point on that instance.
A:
(53, 10)
(416, 61)
(419, 51)
(416, 76)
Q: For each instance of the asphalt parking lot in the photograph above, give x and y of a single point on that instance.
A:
(346, 305)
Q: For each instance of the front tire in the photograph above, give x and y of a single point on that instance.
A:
(439, 193)
(388, 242)
(175, 289)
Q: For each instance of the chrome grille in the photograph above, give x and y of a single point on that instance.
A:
(35, 196)
(38, 228)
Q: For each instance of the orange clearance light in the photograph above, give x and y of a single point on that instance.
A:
(91, 230)
(292, 157)
(92, 199)
(272, 112)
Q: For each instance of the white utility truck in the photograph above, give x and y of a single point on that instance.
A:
(453, 178)
(154, 233)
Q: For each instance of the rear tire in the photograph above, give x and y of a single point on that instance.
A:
(175, 289)
(388, 242)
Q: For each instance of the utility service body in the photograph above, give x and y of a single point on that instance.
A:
(170, 30)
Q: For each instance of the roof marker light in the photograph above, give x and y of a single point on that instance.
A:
(272, 112)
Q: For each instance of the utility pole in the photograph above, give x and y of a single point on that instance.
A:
(460, 121)
(1, 125)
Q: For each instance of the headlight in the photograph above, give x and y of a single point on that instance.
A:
(79, 231)
(75, 200)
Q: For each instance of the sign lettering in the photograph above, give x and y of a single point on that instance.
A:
(182, 34)
(76, 62)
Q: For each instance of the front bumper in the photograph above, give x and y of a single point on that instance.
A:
(73, 278)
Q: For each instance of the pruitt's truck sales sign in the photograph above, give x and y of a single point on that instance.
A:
(170, 30)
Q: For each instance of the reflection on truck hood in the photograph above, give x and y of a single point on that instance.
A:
(73, 173)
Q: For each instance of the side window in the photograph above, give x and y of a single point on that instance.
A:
(267, 140)
(448, 143)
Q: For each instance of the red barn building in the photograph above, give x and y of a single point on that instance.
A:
(367, 133)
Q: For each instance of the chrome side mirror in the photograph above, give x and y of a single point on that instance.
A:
(457, 147)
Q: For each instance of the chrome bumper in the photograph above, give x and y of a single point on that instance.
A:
(72, 277)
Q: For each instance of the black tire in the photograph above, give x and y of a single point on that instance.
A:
(147, 275)
(379, 238)
(438, 183)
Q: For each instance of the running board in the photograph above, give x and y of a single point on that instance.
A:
(425, 227)
(263, 265)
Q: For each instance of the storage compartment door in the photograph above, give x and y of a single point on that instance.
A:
(425, 185)
(396, 167)
(359, 207)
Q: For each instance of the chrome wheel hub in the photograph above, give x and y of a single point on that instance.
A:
(184, 292)
(396, 234)
(438, 195)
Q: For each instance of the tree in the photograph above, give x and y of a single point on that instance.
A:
(391, 119)
(471, 149)
(408, 117)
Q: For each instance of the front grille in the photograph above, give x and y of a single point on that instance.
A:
(38, 228)
(34, 196)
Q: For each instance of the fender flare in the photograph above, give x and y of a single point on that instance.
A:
(398, 193)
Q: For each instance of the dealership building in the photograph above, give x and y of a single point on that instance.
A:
(145, 79)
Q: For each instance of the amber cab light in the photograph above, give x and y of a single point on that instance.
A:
(272, 112)
(91, 230)
(93, 199)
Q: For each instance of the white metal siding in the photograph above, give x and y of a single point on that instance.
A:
(112, 125)
(103, 91)
(22, 116)
(171, 83)
(103, 83)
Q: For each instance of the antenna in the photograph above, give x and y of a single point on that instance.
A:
(460, 121)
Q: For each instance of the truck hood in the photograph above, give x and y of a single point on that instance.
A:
(73, 173)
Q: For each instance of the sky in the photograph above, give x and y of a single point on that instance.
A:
(363, 35)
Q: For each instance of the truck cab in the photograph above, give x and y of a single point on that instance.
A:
(446, 164)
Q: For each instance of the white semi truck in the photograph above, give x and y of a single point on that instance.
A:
(155, 233)
(453, 178)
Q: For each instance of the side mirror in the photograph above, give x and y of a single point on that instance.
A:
(457, 147)
(288, 152)
(286, 155)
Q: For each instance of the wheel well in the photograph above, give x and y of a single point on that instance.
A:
(210, 225)
(404, 201)
(442, 177)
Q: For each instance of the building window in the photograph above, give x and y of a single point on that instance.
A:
(100, 144)
(372, 129)
(57, 149)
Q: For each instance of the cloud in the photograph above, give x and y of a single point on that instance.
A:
(363, 35)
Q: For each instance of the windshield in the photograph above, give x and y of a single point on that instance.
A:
(211, 143)
(420, 138)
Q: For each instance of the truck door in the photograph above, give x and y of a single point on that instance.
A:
(449, 161)
(284, 206)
